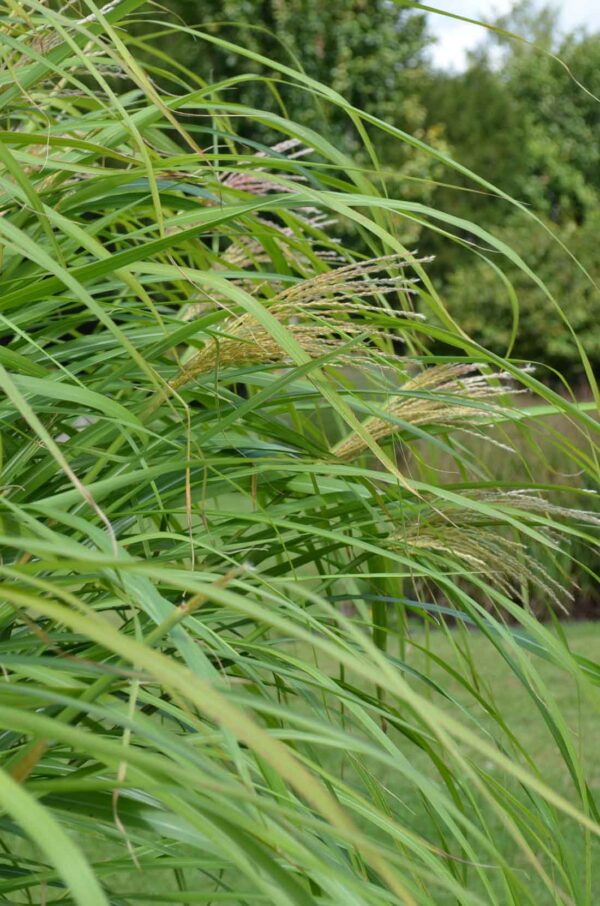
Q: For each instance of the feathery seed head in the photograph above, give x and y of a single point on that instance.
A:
(443, 395)
(321, 313)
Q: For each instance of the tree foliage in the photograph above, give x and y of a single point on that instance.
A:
(369, 51)
(476, 293)
(556, 84)
(527, 116)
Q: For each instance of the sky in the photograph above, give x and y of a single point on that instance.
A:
(456, 38)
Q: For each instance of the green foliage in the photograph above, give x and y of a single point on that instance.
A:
(477, 295)
(483, 123)
(558, 95)
(219, 492)
(369, 51)
(531, 119)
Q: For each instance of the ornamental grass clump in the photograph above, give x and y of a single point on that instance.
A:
(207, 455)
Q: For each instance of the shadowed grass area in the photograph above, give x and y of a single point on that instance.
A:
(503, 454)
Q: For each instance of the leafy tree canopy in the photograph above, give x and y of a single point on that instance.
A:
(370, 51)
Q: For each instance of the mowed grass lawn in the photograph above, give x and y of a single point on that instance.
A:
(500, 684)
(496, 683)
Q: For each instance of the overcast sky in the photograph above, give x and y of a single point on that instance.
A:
(455, 38)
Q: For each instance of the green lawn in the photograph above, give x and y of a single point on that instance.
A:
(502, 687)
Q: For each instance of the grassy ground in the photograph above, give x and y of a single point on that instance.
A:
(506, 690)
(502, 687)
